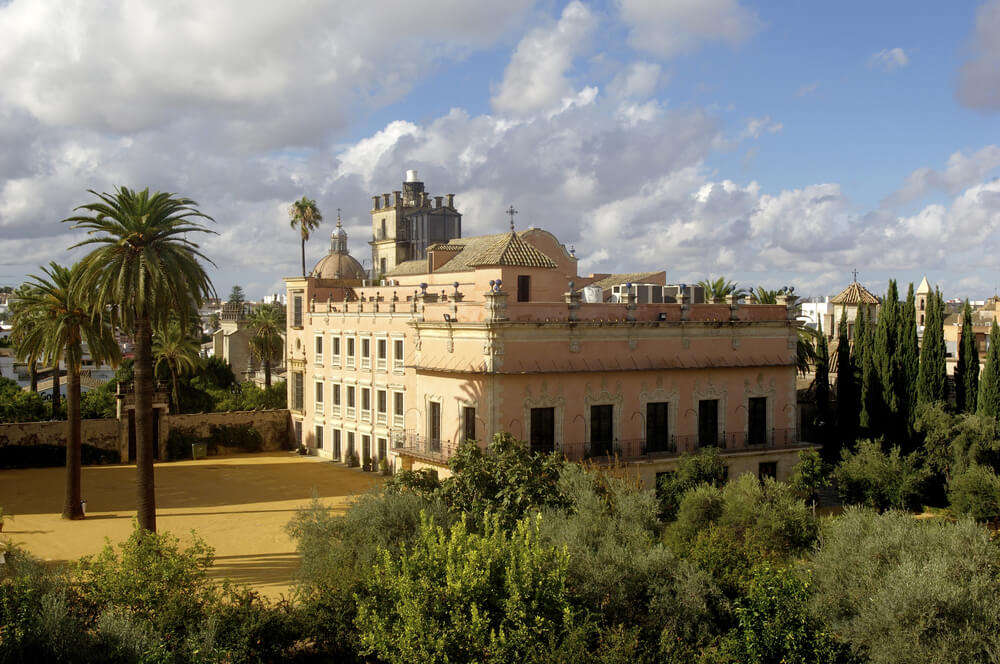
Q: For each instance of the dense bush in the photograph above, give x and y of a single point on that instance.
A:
(17, 405)
(873, 478)
(705, 467)
(99, 403)
(499, 596)
(902, 590)
(48, 456)
(975, 492)
(243, 437)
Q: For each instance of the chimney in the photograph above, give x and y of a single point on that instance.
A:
(374, 202)
(451, 200)
(423, 199)
(385, 197)
(437, 201)
(397, 198)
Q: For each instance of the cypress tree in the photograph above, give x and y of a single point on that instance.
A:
(967, 368)
(871, 388)
(909, 361)
(886, 359)
(848, 406)
(931, 385)
(822, 383)
(989, 385)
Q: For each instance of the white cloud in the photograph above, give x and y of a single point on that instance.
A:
(960, 172)
(806, 89)
(536, 78)
(979, 77)
(669, 27)
(757, 126)
(889, 59)
(638, 80)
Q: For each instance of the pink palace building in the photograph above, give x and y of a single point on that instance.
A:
(455, 338)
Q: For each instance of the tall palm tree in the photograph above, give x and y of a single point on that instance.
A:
(146, 270)
(304, 215)
(718, 289)
(267, 326)
(179, 352)
(53, 320)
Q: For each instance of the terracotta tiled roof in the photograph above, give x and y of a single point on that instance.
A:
(624, 278)
(855, 294)
(510, 249)
(446, 246)
(418, 266)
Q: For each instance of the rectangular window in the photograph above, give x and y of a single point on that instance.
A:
(335, 350)
(297, 390)
(381, 401)
(350, 396)
(366, 353)
(602, 429)
(297, 311)
(298, 433)
(366, 398)
(319, 396)
(381, 448)
(336, 443)
(350, 351)
(434, 426)
(397, 409)
(336, 395)
(767, 469)
(708, 422)
(350, 443)
(757, 421)
(469, 422)
(523, 288)
(397, 354)
(366, 451)
(657, 427)
(319, 437)
(319, 351)
(543, 429)
(382, 348)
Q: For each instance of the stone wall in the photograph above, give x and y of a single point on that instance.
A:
(102, 434)
(275, 426)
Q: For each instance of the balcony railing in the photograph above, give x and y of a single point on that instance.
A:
(335, 410)
(318, 406)
(381, 418)
(418, 445)
(366, 362)
(366, 415)
(351, 412)
(350, 362)
(397, 364)
(380, 364)
(397, 421)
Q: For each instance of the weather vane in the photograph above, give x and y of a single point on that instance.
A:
(855, 275)
(338, 217)
(511, 211)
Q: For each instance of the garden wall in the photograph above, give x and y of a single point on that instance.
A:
(275, 426)
(102, 434)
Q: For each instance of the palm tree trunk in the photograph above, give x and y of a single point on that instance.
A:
(303, 257)
(56, 391)
(267, 374)
(177, 392)
(33, 373)
(145, 487)
(72, 509)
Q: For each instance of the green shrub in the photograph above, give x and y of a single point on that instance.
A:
(241, 436)
(810, 476)
(48, 456)
(705, 467)
(873, 478)
(17, 405)
(179, 442)
(496, 597)
(975, 491)
(902, 590)
(99, 403)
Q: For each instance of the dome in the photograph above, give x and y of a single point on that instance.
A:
(338, 264)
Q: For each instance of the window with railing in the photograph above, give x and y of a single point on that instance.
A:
(319, 397)
(434, 426)
(318, 351)
(397, 409)
(319, 437)
(351, 411)
(658, 427)
(397, 355)
(381, 353)
(757, 421)
(708, 422)
(335, 399)
(381, 407)
(350, 352)
(335, 351)
(366, 404)
(366, 353)
(602, 429)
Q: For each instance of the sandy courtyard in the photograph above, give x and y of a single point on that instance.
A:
(238, 504)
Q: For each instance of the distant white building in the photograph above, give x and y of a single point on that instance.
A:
(811, 312)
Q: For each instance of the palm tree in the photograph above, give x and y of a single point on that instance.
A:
(267, 325)
(179, 352)
(22, 291)
(53, 320)
(305, 216)
(762, 295)
(146, 270)
(718, 289)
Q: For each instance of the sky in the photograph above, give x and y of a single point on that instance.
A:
(778, 143)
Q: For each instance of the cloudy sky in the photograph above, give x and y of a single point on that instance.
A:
(774, 143)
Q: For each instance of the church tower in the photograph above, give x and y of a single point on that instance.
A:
(406, 222)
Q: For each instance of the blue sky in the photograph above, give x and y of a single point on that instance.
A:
(782, 142)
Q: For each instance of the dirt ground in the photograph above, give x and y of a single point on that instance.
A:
(239, 504)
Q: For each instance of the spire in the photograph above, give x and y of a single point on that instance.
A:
(924, 287)
(338, 239)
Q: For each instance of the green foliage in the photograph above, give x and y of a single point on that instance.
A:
(873, 478)
(975, 491)
(47, 455)
(908, 363)
(17, 405)
(871, 386)
(706, 466)
(507, 480)
(967, 367)
(243, 437)
(99, 403)
(719, 288)
(886, 359)
(810, 475)
(821, 385)
(774, 625)
(236, 295)
(989, 382)
(901, 590)
(953, 441)
(498, 596)
(931, 385)
(215, 372)
(848, 404)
